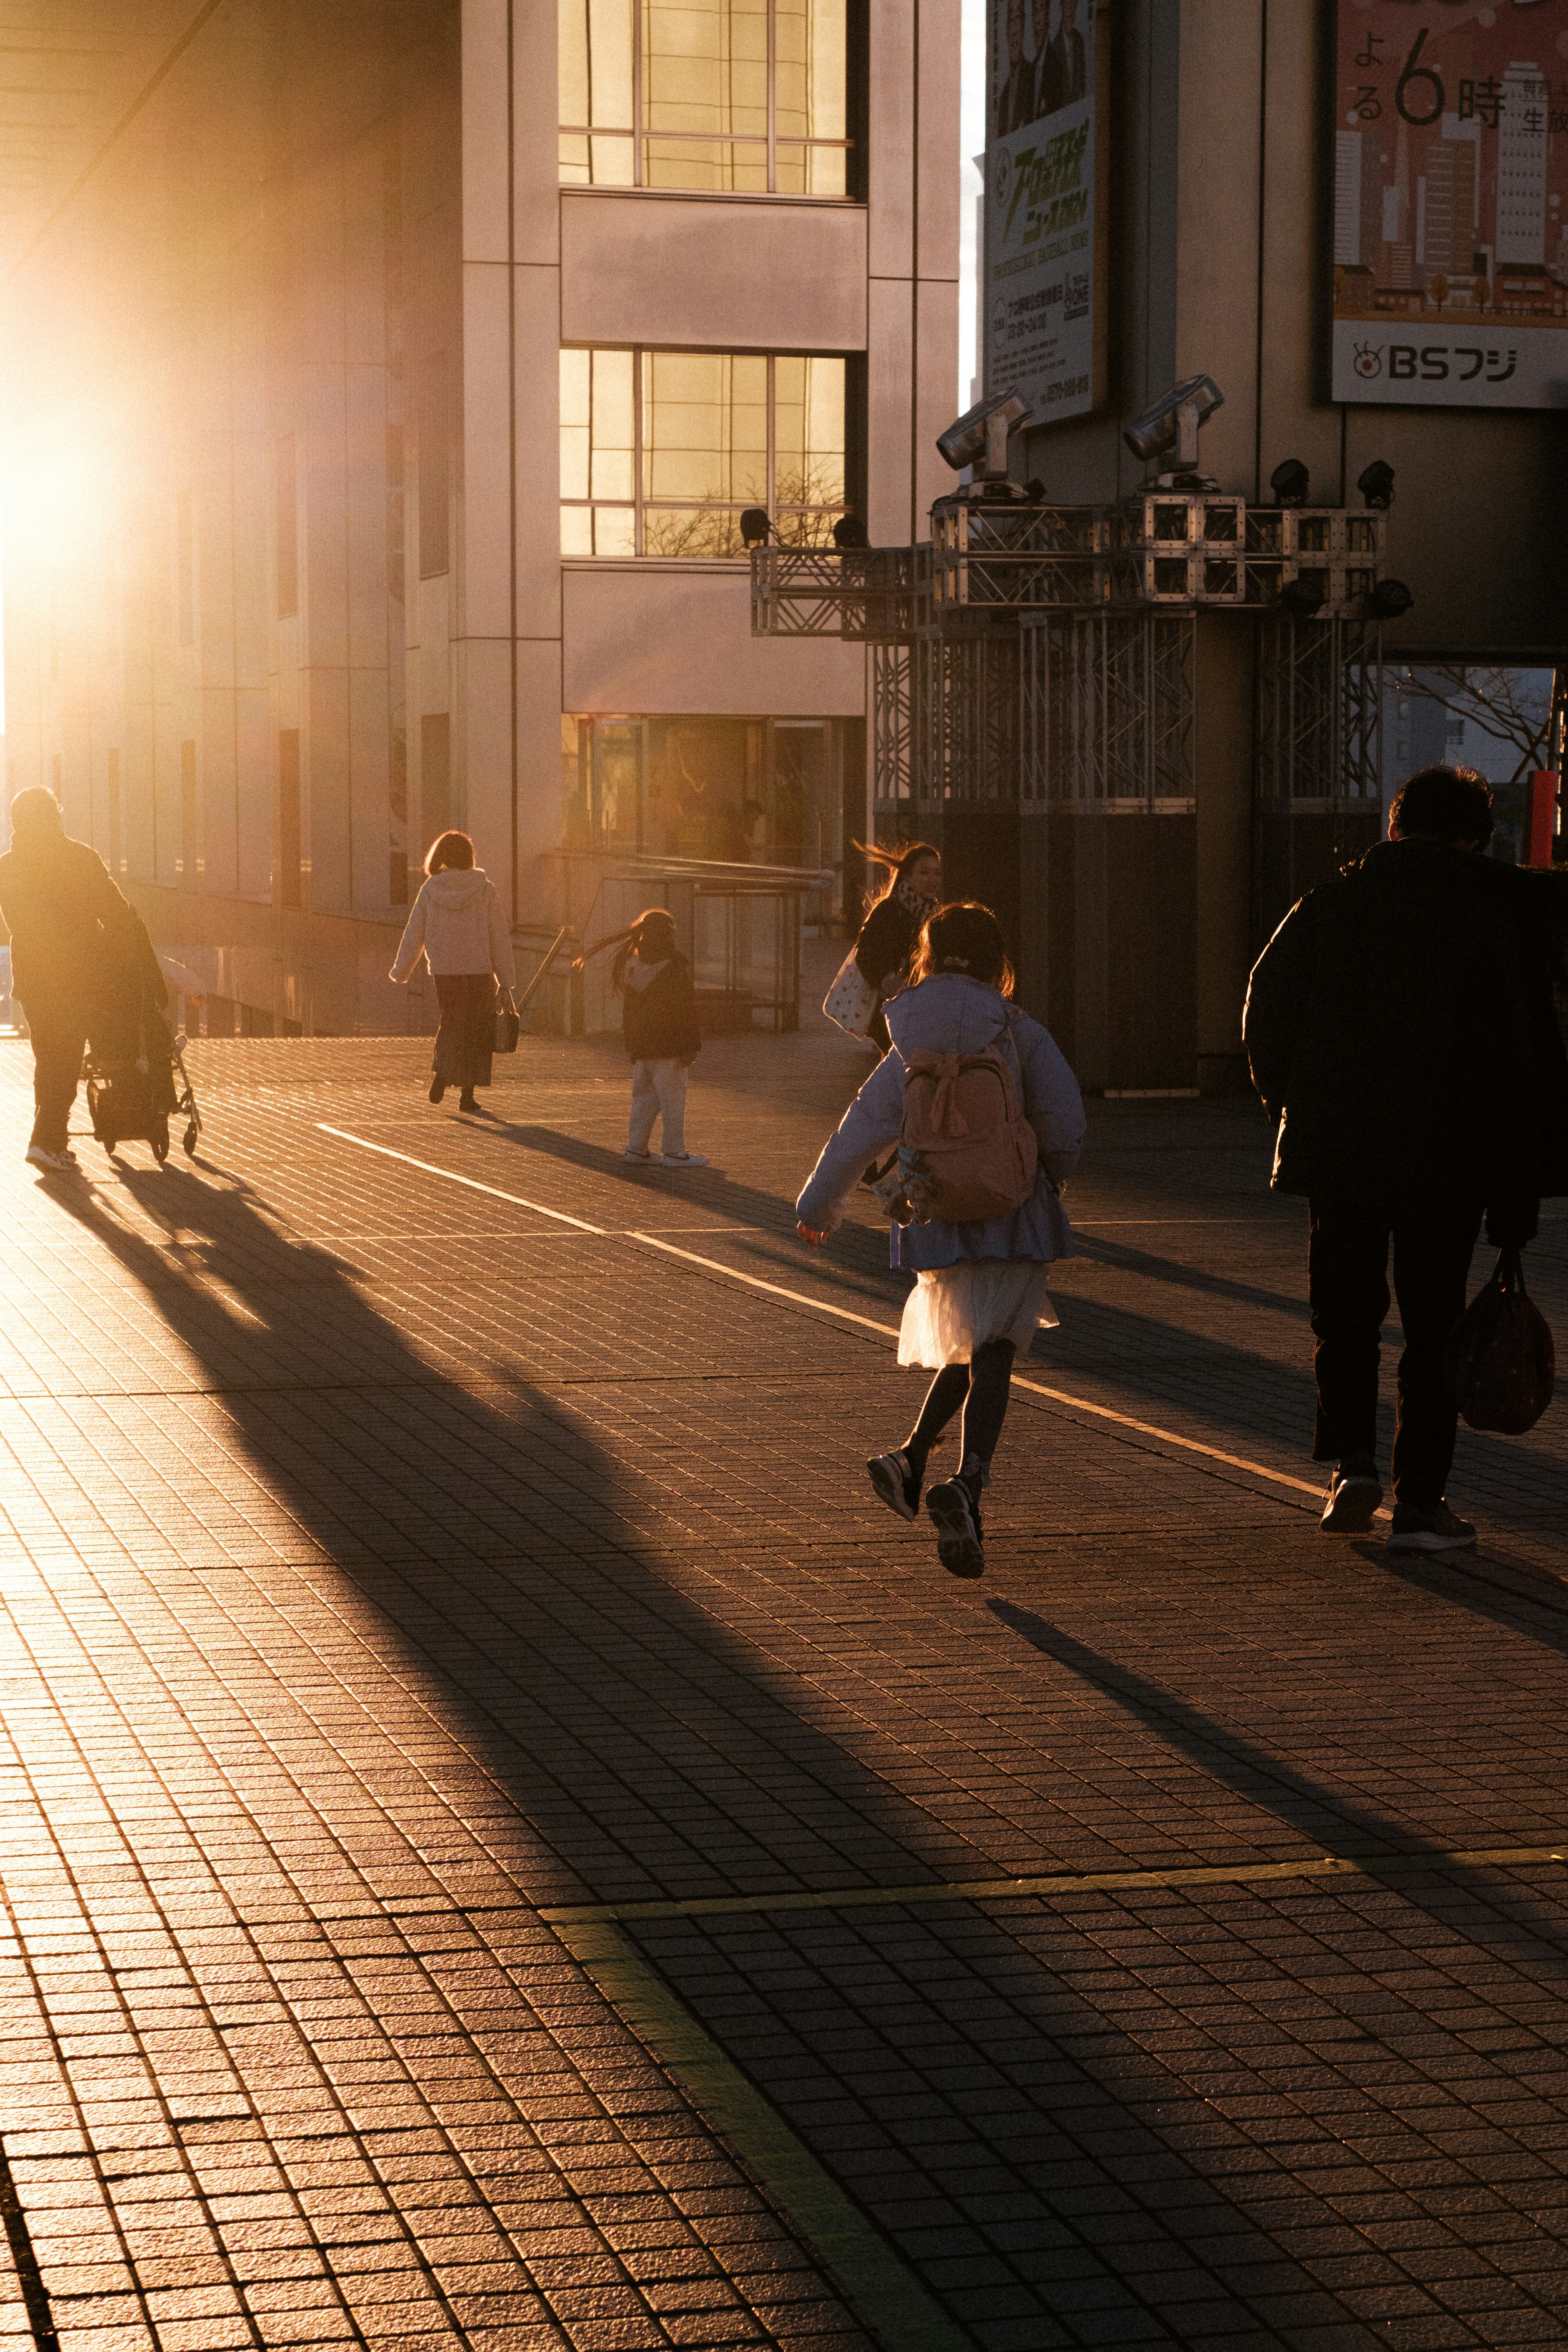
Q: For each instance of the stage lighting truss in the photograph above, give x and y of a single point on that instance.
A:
(1161, 551)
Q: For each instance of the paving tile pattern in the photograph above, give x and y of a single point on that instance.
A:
(383, 1560)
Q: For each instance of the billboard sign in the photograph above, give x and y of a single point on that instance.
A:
(1450, 248)
(1041, 293)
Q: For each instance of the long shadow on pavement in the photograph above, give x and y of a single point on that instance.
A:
(648, 1750)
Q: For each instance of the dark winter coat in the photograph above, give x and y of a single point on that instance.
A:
(71, 927)
(1400, 1024)
(885, 942)
(658, 1020)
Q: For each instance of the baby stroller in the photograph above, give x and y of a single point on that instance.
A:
(136, 1077)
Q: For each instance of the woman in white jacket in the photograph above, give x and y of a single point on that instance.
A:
(457, 925)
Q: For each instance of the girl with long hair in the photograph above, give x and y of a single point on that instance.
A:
(456, 924)
(886, 940)
(981, 1285)
(658, 1027)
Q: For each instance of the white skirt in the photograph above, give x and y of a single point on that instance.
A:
(953, 1312)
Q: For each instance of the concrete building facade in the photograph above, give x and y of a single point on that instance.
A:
(382, 396)
(1138, 927)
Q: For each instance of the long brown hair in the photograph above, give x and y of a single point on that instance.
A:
(895, 864)
(964, 938)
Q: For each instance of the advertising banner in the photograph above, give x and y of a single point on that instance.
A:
(1450, 251)
(1039, 261)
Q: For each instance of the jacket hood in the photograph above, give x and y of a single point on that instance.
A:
(456, 887)
(949, 1013)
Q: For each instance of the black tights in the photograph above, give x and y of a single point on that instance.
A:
(981, 1388)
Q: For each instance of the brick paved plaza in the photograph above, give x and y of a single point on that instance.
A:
(461, 1701)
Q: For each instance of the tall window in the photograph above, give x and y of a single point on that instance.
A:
(287, 494)
(290, 832)
(190, 865)
(661, 451)
(185, 570)
(722, 95)
(116, 855)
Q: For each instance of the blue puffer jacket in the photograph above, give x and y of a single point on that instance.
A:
(951, 1014)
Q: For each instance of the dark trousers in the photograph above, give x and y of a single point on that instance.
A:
(58, 1032)
(465, 1039)
(1349, 1290)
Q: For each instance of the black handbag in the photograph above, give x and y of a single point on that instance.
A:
(1499, 1358)
(509, 1027)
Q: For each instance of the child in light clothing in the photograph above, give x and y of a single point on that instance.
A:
(981, 1285)
(658, 1026)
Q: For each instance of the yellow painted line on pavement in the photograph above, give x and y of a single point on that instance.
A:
(1084, 1882)
(845, 1315)
(1036, 1388)
(452, 1177)
(880, 2289)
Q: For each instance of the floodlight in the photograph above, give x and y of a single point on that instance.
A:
(754, 527)
(850, 531)
(980, 434)
(1303, 596)
(1376, 484)
(1173, 423)
(1291, 483)
(1389, 600)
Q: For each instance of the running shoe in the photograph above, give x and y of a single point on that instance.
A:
(959, 1544)
(1354, 1495)
(1438, 1530)
(896, 1484)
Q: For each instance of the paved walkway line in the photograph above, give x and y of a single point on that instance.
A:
(885, 2295)
(1036, 1388)
(1093, 1881)
(846, 1315)
(453, 1178)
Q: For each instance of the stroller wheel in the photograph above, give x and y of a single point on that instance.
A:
(159, 1139)
(188, 1140)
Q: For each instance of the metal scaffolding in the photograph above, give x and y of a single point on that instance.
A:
(1039, 654)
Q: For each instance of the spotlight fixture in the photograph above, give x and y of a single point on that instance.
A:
(754, 527)
(1303, 596)
(1035, 490)
(850, 531)
(1173, 423)
(1389, 600)
(1376, 484)
(1291, 483)
(979, 437)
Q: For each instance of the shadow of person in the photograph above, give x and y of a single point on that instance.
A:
(450, 1541)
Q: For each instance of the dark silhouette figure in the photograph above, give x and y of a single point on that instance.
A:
(1402, 1033)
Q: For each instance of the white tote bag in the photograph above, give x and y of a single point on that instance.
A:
(851, 1001)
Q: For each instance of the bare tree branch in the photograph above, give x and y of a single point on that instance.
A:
(1488, 697)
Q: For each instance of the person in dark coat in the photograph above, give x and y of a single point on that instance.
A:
(1401, 1030)
(67, 924)
(659, 1029)
(886, 940)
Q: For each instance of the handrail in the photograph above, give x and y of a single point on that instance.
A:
(551, 952)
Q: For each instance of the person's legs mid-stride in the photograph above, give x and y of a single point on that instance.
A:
(59, 1041)
(1348, 1264)
(981, 1388)
(1348, 1286)
(1432, 1250)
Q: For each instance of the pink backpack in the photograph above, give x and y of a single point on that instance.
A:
(965, 1149)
